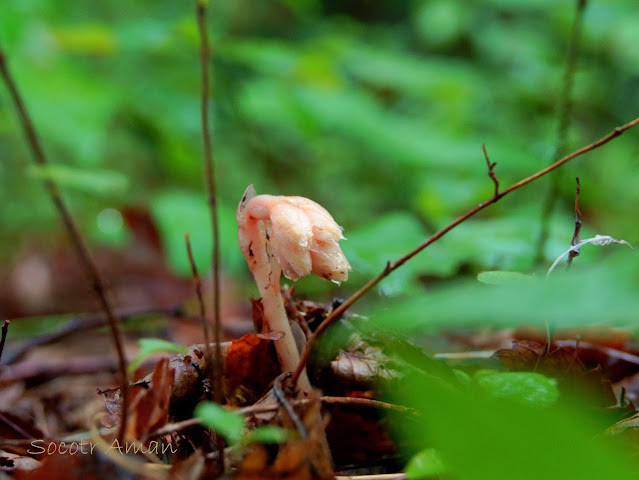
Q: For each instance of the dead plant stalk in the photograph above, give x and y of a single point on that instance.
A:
(211, 187)
(77, 240)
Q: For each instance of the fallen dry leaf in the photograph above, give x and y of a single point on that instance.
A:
(150, 406)
(250, 366)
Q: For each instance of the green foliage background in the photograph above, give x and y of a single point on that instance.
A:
(377, 110)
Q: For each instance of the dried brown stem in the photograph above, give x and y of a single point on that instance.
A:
(200, 299)
(209, 175)
(77, 325)
(491, 171)
(565, 116)
(578, 222)
(37, 371)
(5, 330)
(273, 407)
(73, 231)
(281, 398)
(391, 266)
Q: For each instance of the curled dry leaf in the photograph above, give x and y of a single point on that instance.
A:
(150, 407)
(362, 366)
(299, 460)
(187, 382)
(563, 363)
(598, 240)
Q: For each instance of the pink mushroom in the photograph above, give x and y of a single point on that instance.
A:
(294, 236)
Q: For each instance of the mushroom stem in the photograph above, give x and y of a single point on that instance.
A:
(267, 273)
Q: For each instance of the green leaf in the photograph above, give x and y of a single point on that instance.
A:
(524, 387)
(426, 463)
(98, 182)
(177, 212)
(228, 424)
(267, 434)
(502, 278)
(88, 39)
(151, 346)
(603, 294)
(480, 437)
(387, 238)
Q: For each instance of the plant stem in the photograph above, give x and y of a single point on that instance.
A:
(81, 249)
(267, 274)
(211, 187)
(200, 299)
(565, 116)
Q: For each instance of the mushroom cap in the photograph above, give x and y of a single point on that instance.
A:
(302, 236)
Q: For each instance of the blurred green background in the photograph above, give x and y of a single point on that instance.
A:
(376, 110)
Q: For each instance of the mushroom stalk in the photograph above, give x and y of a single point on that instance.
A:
(266, 272)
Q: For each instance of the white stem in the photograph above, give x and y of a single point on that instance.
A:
(267, 276)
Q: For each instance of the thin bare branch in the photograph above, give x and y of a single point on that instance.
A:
(209, 175)
(273, 407)
(81, 324)
(39, 371)
(200, 299)
(491, 171)
(281, 398)
(75, 236)
(578, 222)
(391, 266)
(564, 110)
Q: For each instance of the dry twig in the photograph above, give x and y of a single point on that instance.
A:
(82, 324)
(273, 407)
(209, 175)
(200, 299)
(391, 266)
(37, 371)
(73, 231)
(578, 222)
(491, 171)
(565, 116)
(281, 398)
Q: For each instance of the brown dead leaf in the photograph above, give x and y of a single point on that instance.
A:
(187, 382)
(150, 406)
(62, 466)
(303, 458)
(290, 463)
(363, 366)
(251, 364)
(13, 427)
(273, 335)
(113, 403)
(191, 468)
(563, 363)
(527, 356)
(356, 436)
